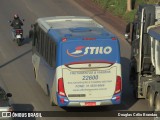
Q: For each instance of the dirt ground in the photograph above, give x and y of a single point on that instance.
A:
(115, 21)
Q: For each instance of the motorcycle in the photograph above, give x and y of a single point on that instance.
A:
(18, 35)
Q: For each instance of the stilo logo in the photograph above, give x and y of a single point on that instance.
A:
(82, 50)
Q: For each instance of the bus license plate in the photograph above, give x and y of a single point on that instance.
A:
(90, 103)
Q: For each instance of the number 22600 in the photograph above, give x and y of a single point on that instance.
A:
(90, 77)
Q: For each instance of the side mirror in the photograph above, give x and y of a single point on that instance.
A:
(23, 20)
(9, 94)
(137, 36)
(127, 36)
(31, 34)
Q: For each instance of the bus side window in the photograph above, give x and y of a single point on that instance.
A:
(54, 57)
(44, 45)
(50, 52)
(33, 34)
(46, 48)
(41, 40)
(37, 37)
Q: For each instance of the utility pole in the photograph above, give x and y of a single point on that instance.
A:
(129, 5)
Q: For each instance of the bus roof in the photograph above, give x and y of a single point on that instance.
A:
(73, 27)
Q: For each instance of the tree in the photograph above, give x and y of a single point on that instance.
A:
(129, 5)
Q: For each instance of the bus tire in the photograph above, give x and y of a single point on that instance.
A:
(19, 42)
(151, 99)
(52, 103)
(157, 102)
(35, 73)
(48, 92)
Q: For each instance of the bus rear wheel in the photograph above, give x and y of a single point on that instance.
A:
(157, 102)
(52, 103)
(48, 91)
(35, 73)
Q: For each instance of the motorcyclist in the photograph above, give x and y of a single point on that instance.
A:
(16, 23)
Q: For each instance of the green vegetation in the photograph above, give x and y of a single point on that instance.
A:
(118, 7)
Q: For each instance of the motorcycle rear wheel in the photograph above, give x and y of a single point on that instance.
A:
(19, 42)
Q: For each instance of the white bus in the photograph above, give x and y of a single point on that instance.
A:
(76, 61)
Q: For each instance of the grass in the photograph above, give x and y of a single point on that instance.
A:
(118, 7)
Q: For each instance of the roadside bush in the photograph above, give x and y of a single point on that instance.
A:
(118, 7)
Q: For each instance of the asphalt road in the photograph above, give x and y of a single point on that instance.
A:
(16, 74)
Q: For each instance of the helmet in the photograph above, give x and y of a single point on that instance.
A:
(16, 16)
